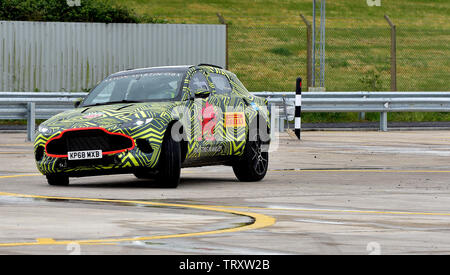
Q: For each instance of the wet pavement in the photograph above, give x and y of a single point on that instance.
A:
(332, 193)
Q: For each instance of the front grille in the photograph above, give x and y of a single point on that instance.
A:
(85, 140)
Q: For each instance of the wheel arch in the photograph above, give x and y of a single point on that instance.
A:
(182, 137)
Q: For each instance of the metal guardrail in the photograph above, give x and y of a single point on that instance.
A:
(35, 105)
(40, 105)
(361, 102)
(352, 94)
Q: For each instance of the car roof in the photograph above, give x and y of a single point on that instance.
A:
(181, 68)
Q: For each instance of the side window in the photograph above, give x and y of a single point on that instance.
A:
(221, 83)
(198, 82)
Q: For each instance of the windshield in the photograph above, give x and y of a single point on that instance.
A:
(139, 87)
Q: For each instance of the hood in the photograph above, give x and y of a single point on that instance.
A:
(108, 116)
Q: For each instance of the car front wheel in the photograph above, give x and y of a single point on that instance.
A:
(170, 163)
(57, 180)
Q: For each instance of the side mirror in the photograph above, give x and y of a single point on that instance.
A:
(201, 93)
(77, 103)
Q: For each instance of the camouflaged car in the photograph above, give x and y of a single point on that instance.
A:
(152, 122)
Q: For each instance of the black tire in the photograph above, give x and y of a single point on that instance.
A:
(58, 180)
(143, 175)
(170, 163)
(253, 164)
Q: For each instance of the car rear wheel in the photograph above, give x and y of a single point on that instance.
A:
(57, 180)
(169, 163)
(253, 164)
(144, 175)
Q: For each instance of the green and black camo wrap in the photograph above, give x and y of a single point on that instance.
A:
(120, 118)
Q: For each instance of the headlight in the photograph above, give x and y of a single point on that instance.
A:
(44, 130)
(137, 122)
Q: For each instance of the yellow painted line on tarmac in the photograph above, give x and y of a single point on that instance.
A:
(45, 241)
(335, 210)
(360, 170)
(19, 176)
(50, 241)
(259, 221)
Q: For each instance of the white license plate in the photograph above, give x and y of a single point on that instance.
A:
(94, 154)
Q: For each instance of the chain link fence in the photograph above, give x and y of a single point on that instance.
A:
(267, 58)
(423, 59)
(358, 58)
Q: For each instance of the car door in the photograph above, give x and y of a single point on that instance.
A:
(232, 124)
(205, 115)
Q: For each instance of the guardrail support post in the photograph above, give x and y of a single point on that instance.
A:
(362, 115)
(383, 121)
(281, 124)
(31, 120)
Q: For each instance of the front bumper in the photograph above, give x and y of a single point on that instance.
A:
(125, 161)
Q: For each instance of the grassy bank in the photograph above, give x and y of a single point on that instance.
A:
(267, 44)
(267, 40)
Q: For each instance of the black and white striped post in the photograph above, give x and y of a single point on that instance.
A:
(298, 107)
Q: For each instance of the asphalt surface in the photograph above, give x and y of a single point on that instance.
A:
(331, 193)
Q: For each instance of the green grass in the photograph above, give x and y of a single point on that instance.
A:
(19, 122)
(343, 13)
(267, 39)
(267, 43)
